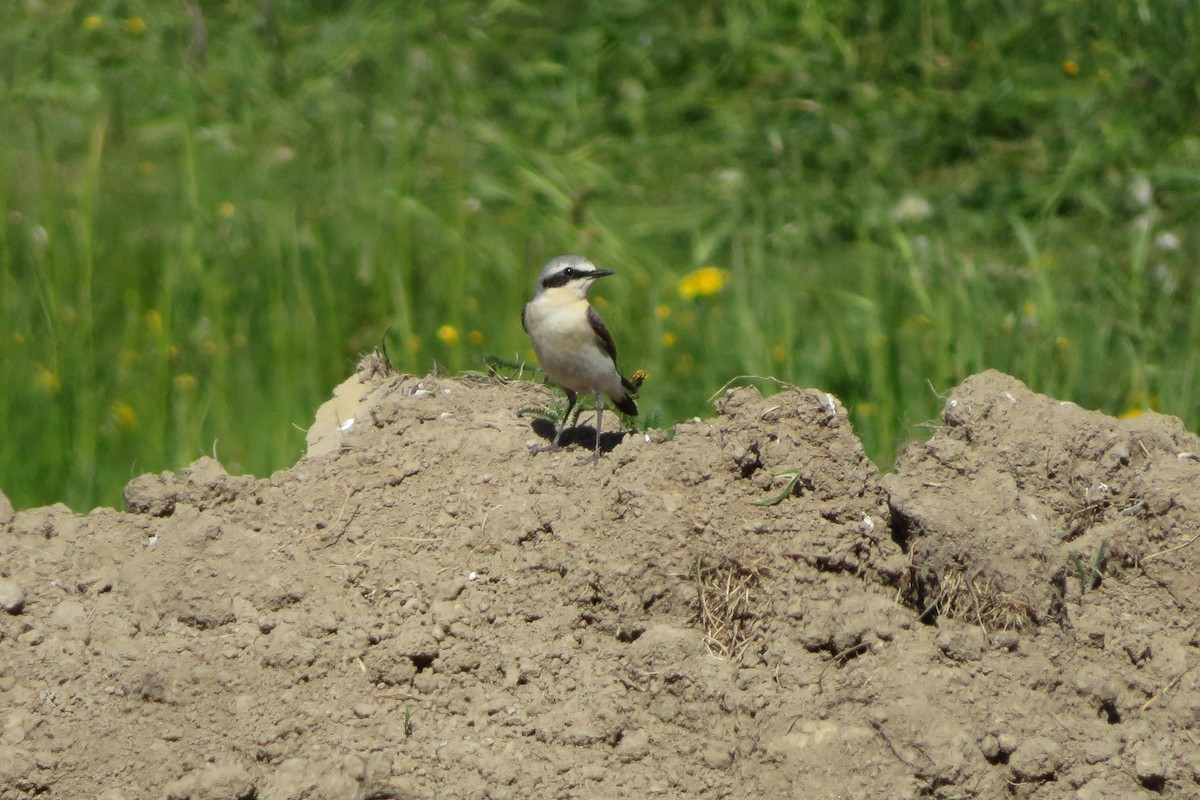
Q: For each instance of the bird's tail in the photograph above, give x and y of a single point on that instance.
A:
(626, 404)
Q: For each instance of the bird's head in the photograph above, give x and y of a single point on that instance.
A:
(573, 274)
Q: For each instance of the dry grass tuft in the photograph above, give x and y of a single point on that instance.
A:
(727, 592)
(978, 599)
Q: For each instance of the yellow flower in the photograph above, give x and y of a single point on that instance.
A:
(124, 416)
(448, 334)
(475, 337)
(1062, 343)
(668, 339)
(185, 382)
(1139, 404)
(227, 209)
(662, 311)
(135, 25)
(48, 381)
(154, 321)
(778, 353)
(1070, 67)
(92, 22)
(412, 344)
(702, 283)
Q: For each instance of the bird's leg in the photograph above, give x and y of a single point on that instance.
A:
(562, 427)
(595, 456)
(566, 420)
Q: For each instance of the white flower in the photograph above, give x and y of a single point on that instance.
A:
(1167, 241)
(911, 208)
(1141, 191)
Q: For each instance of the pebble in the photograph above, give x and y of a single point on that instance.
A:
(634, 746)
(32, 637)
(1037, 758)
(718, 756)
(1150, 766)
(17, 726)
(67, 613)
(12, 598)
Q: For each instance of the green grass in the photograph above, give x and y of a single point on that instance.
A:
(204, 219)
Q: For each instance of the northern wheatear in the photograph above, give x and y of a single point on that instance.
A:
(574, 348)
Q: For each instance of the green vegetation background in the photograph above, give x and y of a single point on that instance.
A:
(208, 210)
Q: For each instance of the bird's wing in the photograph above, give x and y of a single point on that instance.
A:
(603, 337)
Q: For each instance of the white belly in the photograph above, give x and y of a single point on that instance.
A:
(568, 350)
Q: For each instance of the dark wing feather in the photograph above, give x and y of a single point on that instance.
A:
(605, 340)
(603, 337)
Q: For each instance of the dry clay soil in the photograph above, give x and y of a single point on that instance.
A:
(422, 608)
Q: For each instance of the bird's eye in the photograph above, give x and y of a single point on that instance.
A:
(569, 272)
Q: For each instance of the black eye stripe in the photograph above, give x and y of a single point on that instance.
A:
(562, 278)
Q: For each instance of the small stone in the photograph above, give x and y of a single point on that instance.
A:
(449, 589)
(67, 614)
(1036, 759)
(1150, 766)
(634, 746)
(17, 727)
(1007, 641)
(990, 747)
(962, 643)
(445, 613)
(32, 637)
(717, 756)
(12, 598)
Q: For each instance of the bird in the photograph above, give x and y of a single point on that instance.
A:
(572, 344)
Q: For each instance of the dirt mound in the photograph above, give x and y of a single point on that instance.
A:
(421, 608)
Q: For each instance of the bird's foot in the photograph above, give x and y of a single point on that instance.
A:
(553, 447)
(592, 459)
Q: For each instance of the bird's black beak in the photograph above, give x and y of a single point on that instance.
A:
(600, 273)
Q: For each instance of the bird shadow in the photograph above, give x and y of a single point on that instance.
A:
(584, 435)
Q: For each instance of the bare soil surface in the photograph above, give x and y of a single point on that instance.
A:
(421, 608)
